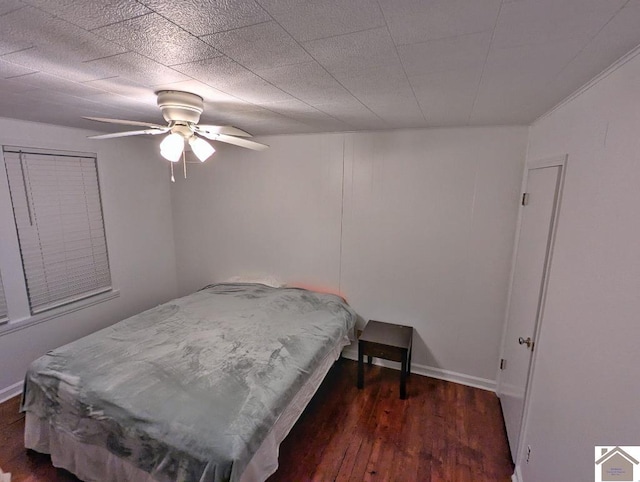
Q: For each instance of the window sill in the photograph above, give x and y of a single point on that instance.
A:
(21, 324)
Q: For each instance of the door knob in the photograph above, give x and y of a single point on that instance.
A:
(528, 341)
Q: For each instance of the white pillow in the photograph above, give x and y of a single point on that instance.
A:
(258, 278)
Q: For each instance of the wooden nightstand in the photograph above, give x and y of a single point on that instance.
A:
(388, 341)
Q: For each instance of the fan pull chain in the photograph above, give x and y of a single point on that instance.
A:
(173, 179)
(184, 162)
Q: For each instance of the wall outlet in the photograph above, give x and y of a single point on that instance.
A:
(528, 453)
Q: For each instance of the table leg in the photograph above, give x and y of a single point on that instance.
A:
(409, 367)
(360, 367)
(369, 359)
(403, 377)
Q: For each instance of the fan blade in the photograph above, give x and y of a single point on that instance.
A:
(130, 133)
(238, 141)
(125, 122)
(227, 130)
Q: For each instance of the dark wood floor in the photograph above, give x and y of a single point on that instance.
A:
(442, 432)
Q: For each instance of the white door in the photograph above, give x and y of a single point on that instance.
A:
(527, 293)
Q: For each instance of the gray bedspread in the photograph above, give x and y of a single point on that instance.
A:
(187, 391)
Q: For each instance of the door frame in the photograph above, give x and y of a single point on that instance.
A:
(556, 161)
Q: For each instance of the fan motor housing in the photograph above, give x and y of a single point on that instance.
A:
(178, 106)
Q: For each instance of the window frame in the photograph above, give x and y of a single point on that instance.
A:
(20, 315)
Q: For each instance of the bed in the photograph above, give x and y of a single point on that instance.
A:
(203, 388)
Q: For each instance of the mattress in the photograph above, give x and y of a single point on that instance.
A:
(192, 389)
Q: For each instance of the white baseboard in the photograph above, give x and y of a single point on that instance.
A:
(351, 352)
(10, 391)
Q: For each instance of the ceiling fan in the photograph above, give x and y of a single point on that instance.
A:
(182, 112)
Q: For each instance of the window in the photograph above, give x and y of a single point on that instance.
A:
(58, 214)
(3, 305)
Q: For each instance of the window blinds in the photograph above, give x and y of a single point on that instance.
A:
(3, 305)
(58, 214)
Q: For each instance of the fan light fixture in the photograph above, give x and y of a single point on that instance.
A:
(172, 146)
(182, 112)
(201, 148)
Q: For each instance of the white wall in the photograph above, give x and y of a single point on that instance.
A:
(585, 389)
(137, 210)
(429, 221)
(275, 212)
(412, 226)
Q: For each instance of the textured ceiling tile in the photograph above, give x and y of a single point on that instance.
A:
(463, 81)
(90, 14)
(292, 108)
(155, 37)
(353, 112)
(413, 21)
(464, 51)
(257, 91)
(8, 46)
(11, 86)
(137, 68)
(496, 103)
(125, 88)
(620, 36)
(324, 18)
(308, 82)
(230, 77)
(59, 98)
(447, 97)
(7, 6)
(57, 64)
(542, 21)
(504, 108)
(219, 113)
(286, 128)
(47, 104)
(279, 125)
(496, 118)
(542, 50)
(202, 17)
(400, 115)
(252, 118)
(57, 37)
(8, 70)
(36, 109)
(387, 92)
(301, 112)
(15, 35)
(567, 8)
(17, 106)
(327, 124)
(353, 53)
(116, 106)
(385, 81)
(526, 67)
(514, 78)
(235, 113)
(51, 83)
(259, 47)
(295, 109)
(219, 72)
